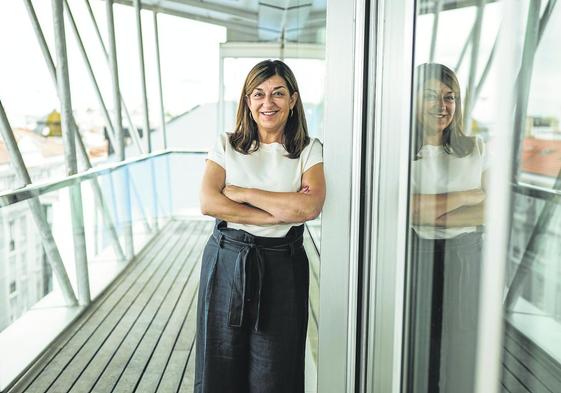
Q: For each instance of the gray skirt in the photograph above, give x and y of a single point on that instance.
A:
(252, 313)
(445, 298)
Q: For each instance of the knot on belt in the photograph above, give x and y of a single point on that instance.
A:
(242, 284)
(248, 277)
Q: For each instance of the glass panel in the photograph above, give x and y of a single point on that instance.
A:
(533, 273)
(454, 117)
(448, 195)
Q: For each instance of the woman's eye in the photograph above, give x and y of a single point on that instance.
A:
(431, 97)
(257, 95)
(278, 94)
(450, 98)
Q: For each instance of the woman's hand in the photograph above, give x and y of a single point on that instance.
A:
(235, 193)
(473, 197)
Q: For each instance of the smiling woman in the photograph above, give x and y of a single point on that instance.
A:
(447, 215)
(261, 183)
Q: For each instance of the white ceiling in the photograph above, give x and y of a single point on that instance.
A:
(262, 20)
(270, 20)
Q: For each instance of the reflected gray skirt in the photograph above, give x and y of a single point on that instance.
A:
(252, 313)
(446, 275)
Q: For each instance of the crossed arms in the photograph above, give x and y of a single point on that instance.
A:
(258, 207)
(453, 209)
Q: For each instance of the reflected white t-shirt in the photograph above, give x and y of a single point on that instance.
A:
(438, 172)
(267, 169)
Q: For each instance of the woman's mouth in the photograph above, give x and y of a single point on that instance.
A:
(269, 113)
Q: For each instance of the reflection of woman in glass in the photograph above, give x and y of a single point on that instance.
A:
(447, 212)
(260, 182)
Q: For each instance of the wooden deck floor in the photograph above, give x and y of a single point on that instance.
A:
(139, 336)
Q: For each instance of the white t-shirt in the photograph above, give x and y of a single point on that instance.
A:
(438, 172)
(267, 169)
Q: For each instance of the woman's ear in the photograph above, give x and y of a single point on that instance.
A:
(293, 99)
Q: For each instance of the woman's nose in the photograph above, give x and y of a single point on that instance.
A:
(268, 99)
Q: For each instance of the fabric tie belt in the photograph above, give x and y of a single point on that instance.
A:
(243, 274)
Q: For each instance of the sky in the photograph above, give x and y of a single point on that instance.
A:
(189, 59)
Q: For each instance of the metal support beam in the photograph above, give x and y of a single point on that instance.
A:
(159, 71)
(93, 80)
(49, 244)
(63, 88)
(522, 86)
(476, 38)
(137, 9)
(486, 70)
(545, 18)
(464, 50)
(118, 122)
(142, 76)
(132, 128)
(110, 131)
(69, 140)
(114, 68)
(437, 9)
(81, 149)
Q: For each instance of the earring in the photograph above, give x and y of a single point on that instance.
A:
(291, 113)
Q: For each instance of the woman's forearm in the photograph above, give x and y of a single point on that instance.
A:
(288, 207)
(219, 206)
(466, 216)
(427, 208)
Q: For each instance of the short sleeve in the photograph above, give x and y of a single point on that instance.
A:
(314, 156)
(216, 154)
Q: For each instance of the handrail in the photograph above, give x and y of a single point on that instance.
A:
(544, 193)
(11, 197)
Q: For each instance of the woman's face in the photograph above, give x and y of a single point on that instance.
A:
(270, 104)
(436, 107)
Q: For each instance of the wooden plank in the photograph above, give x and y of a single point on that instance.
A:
(511, 384)
(546, 369)
(109, 368)
(148, 364)
(158, 375)
(116, 324)
(125, 279)
(106, 350)
(49, 369)
(188, 380)
(183, 354)
(518, 367)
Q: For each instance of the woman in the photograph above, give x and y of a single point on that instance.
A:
(261, 183)
(447, 214)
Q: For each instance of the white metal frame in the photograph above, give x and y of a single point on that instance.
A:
(337, 315)
(392, 111)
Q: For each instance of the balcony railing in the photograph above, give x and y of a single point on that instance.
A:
(124, 206)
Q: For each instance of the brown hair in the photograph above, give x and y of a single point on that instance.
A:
(454, 140)
(245, 138)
